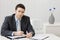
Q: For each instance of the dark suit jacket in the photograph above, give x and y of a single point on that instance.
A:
(9, 25)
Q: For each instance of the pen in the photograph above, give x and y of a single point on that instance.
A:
(45, 38)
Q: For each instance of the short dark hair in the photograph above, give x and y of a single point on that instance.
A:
(20, 6)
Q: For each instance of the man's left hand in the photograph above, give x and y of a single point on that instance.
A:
(29, 35)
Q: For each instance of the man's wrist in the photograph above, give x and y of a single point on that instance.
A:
(13, 33)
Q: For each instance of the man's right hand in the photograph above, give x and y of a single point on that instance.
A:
(18, 33)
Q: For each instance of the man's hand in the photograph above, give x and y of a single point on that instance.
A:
(29, 35)
(18, 33)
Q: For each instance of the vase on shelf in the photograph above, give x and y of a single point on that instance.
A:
(51, 18)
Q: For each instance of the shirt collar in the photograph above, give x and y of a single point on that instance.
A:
(17, 19)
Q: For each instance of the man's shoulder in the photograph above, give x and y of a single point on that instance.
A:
(9, 17)
(25, 16)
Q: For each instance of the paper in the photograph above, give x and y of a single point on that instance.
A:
(16, 37)
(40, 37)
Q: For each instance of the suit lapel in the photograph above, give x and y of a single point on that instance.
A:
(22, 24)
(14, 23)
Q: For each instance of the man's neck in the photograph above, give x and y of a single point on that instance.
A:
(17, 18)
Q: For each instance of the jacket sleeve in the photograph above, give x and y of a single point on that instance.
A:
(30, 28)
(5, 28)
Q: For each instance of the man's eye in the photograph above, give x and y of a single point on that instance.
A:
(22, 12)
(18, 11)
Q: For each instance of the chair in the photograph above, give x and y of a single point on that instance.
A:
(37, 25)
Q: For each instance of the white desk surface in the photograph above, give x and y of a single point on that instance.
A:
(3, 38)
(38, 36)
(51, 36)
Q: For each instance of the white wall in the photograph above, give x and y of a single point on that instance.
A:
(36, 9)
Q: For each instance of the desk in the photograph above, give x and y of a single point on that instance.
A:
(3, 38)
(51, 36)
(38, 36)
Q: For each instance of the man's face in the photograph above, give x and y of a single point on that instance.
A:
(19, 12)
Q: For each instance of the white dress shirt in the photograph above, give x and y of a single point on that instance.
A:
(18, 24)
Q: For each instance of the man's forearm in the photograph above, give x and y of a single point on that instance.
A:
(6, 33)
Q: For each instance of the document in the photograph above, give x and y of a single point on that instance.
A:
(16, 37)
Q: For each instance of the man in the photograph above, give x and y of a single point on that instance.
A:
(17, 24)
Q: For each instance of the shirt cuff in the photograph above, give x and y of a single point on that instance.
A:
(12, 34)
